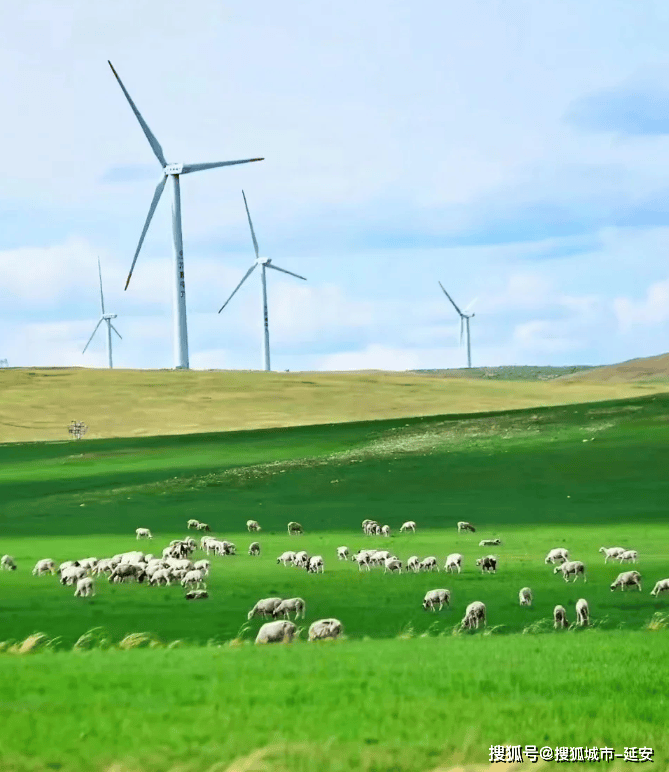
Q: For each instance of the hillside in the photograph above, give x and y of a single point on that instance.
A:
(39, 403)
(647, 369)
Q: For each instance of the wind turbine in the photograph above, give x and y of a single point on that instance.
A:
(464, 322)
(173, 172)
(104, 318)
(263, 262)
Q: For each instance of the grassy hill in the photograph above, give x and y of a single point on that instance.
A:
(38, 404)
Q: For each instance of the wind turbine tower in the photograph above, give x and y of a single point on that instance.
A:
(464, 323)
(104, 318)
(172, 171)
(263, 262)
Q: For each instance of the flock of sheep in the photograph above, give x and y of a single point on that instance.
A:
(175, 565)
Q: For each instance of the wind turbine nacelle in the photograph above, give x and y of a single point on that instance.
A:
(173, 168)
(264, 260)
(109, 316)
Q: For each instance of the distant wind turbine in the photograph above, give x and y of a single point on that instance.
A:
(464, 322)
(104, 318)
(173, 171)
(263, 262)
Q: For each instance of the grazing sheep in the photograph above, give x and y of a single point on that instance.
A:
(89, 564)
(560, 618)
(611, 552)
(342, 553)
(661, 586)
(160, 576)
(525, 596)
(296, 605)
(301, 559)
(276, 632)
(392, 564)
(429, 564)
(226, 548)
(315, 565)
(143, 533)
(202, 565)
(453, 561)
(413, 564)
(385, 530)
(72, 574)
(264, 607)
(286, 558)
(378, 557)
(85, 588)
(125, 572)
(558, 555)
(294, 528)
(474, 614)
(462, 526)
(197, 595)
(252, 525)
(432, 597)
(362, 559)
(325, 629)
(629, 556)
(44, 566)
(193, 579)
(487, 564)
(574, 567)
(410, 525)
(254, 548)
(68, 564)
(203, 527)
(7, 563)
(104, 566)
(627, 579)
(131, 557)
(193, 524)
(369, 527)
(490, 542)
(582, 612)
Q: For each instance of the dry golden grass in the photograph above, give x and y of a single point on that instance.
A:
(39, 403)
(646, 369)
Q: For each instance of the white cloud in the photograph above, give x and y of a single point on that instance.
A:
(653, 310)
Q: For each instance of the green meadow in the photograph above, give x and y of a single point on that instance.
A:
(402, 692)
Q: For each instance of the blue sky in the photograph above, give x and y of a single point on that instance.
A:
(518, 152)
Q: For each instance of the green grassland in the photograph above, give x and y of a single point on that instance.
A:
(579, 476)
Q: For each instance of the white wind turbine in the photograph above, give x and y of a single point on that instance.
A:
(263, 262)
(104, 318)
(464, 322)
(173, 171)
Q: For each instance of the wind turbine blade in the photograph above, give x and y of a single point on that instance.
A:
(283, 270)
(253, 235)
(115, 330)
(188, 168)
(450, 298)
(155, 145)
(102, 299)
(470, 304)
(91, 338)
(154, 203)
(246, 276)
(462, 328)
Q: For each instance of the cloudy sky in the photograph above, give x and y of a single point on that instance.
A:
(517, 151)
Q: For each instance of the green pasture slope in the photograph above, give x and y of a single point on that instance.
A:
(579, 476)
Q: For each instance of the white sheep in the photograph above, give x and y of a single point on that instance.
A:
(197, 595)
(194, 579)
(264, 607)
(281, 631)
(574, 567)
(89, 564)
(453, 561)
(72, 575)
(342, 553)
(490, 542)
(611, 552)
(487, 564)
(392, 564)
(429, 564)
(661, 586)
(432, 597)
(385, 530)
(160, 576)
(44, 566)
(582, 612)
(193, 523)
(301, 559)
(202, 565)
(629, 556)
(325, 629)
(560, 618)
(410, 525)
(413, 564)
(203, 527)
(525, 596)
(7, 563)
(558, 555)
(463, 526)
(286, 558)
(143, 533)
(316, 565)
(254, 548)
(474, 614)
(296, 605)
(294, 528)
(362, 559)
(627, 579)
(85, 588)
(252, 525)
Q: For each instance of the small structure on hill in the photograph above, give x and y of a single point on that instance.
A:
(77, 429)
